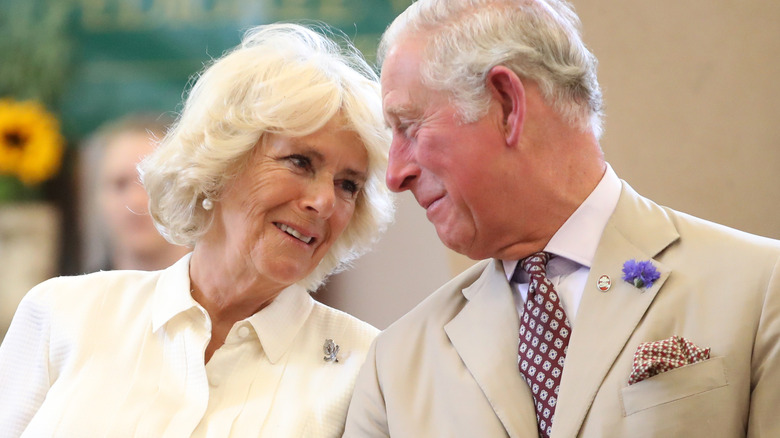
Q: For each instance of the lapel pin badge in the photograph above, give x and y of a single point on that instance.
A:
(604, 283)
(331, 350)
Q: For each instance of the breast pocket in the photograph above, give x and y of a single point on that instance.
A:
(674, 385)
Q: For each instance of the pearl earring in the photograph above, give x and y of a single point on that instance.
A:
(207, 204)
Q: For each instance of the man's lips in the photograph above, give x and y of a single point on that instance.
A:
(428, 202)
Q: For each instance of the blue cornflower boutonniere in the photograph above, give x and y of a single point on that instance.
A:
(640, 274)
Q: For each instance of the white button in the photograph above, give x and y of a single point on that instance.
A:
(243, 332)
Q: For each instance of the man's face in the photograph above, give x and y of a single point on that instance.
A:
(454, 169)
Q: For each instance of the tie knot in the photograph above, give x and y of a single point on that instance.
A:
(536, 263)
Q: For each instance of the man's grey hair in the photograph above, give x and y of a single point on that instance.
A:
(539, 40)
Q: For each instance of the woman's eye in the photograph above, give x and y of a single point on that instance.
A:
(350, 187)
(300, 161)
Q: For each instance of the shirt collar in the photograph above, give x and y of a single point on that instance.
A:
(579, 236)
(278, 324)
(172, 294)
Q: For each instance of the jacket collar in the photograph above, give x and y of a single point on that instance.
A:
(484, 333)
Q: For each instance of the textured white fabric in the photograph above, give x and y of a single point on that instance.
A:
(121, 354)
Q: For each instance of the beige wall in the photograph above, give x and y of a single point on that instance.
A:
(692, 91)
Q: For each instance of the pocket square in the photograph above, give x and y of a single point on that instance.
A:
(657, 357)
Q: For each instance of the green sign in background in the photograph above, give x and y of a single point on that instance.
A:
(95, 60)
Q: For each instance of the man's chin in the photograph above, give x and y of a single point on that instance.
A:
(458, 242)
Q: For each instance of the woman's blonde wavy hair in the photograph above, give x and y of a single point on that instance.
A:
(285, 79)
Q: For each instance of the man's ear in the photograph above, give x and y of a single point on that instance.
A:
(507, 88)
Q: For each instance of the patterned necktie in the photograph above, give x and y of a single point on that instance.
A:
(544, 338)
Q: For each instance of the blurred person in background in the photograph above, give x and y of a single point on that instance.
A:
(273, 174)
(119, 232)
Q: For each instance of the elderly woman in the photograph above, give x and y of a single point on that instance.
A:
(274, 175)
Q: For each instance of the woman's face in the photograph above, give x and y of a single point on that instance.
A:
(291, 201)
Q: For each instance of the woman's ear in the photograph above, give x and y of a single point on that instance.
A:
(508, 90)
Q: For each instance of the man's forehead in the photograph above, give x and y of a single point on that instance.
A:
(403, 58)
(397, 89)
(400, 79)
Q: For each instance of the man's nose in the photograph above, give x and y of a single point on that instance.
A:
(402, 168)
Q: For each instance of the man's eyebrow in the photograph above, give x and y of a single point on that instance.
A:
(398, 110)
(393, 113)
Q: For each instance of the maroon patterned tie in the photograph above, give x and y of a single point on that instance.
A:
(544, 338)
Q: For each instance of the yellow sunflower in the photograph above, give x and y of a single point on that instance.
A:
(31, 145)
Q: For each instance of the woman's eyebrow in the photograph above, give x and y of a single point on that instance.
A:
(316, 155)
(356, 174)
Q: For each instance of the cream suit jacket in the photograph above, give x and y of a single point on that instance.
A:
(449, 367)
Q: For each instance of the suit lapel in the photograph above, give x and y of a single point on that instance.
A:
(484, 333)
(639, 230)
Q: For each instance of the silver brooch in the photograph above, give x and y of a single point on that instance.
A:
(331, 350)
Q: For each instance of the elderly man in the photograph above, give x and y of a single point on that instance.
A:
(597, 313)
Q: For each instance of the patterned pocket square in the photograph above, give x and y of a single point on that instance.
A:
(657, 357)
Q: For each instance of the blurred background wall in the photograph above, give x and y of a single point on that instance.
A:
(690, 88)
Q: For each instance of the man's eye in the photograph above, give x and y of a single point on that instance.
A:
(408, 130)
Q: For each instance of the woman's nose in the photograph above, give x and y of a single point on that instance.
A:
(321, 197)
